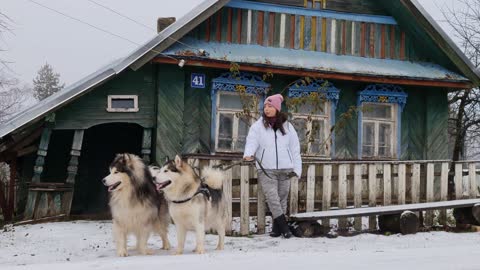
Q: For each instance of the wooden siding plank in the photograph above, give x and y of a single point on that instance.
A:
(429, 193)
(223, 25)
(276, 30)
(402, 187)
(363, 38)
(294, 196)
(382, 42)
(227, 193)
(301, 32)
(348, 38)
(261, 209)
(266, 29)
(239, 26)
(342, 193)
(308, 32)
(444, 191)
(244, 201)
(357, 194)
(458, 181)
(387, 184)
(271, 28)
(245, 29)
(333, 36)
(372, 194)
(283, 31)
(292, 32)
(327, 191)
(310, 188)
(218, 26)
(372, 40)
(402, 46)
(324, 35)
(415, 183)
(229, 25)
(249, 26)
(344, 38)
(260, 28)
(392, 42)
(338, 37)
(313, 38)
(472, 180)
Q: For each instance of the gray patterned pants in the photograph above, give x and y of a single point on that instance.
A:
(276, 189)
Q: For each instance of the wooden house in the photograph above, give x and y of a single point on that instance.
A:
(177, 94)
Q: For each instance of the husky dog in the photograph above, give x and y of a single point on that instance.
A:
(137, 208)
(195, 204)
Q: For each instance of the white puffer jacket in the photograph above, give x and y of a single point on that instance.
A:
(274, 150)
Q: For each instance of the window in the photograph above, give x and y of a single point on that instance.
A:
(380, 120)
(232, 127)
(314, 118)
(122, 103)
(232, 93)
(378, 126)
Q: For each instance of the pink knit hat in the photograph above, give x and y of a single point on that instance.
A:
(275, 101)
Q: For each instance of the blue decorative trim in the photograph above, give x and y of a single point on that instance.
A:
(383, 93)
(325, 89)
(311, 12)
(236, 81)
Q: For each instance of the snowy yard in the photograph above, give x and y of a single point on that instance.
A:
(88, 245)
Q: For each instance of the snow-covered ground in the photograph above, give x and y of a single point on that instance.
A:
(88, 245)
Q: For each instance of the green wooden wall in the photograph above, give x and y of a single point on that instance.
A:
(90, 109)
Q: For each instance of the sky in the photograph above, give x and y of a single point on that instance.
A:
(39, 35)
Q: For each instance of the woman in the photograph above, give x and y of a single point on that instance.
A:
(274, 143)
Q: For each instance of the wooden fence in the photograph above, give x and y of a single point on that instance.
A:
(344, 184)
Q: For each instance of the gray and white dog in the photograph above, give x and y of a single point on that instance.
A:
(195, 204)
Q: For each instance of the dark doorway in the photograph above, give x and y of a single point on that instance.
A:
(100, 145)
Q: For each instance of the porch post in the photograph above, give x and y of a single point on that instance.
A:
(41, 153)
(72, 170)
(146, 145)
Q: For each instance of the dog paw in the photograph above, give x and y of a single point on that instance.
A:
(178, 252)
(166, 246)
(146, 252)
(219, 248)
(200, 251)
(122, 253)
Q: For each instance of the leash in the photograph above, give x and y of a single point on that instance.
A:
(221, 166)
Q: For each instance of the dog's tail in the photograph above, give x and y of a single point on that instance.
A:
(213, 177)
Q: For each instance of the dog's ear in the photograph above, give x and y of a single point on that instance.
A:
(178, 161)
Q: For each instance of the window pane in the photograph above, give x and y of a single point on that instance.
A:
(382, 111)
(384, 140)
(243, 126)
(368, 139)
(318, 145)
(234, 101)
(225, 130)
(300, 126)
(310, 107)
(123, 103)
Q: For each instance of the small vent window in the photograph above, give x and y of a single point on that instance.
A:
(122, 103)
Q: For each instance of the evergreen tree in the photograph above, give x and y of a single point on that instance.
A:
(46, 83)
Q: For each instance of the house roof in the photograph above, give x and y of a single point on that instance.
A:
(180, 28)
(319, 61)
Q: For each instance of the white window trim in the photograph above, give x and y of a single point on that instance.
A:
(326, 117)
(135, 103)
(235, 123)
(377, 122)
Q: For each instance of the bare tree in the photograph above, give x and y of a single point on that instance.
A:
(464, 120)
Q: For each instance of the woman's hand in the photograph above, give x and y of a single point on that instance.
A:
(250, 158)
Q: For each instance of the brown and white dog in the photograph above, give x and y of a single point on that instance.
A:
(136, 207)
(194, 204)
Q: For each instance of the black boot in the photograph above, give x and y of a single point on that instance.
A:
(275, 230)
(283, 226)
